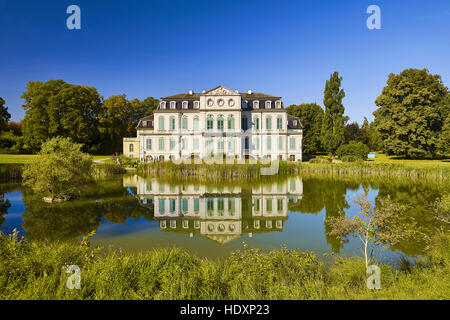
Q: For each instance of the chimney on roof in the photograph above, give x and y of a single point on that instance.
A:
(237, 91)
(203, 91)
(191, 92)
(249, 91)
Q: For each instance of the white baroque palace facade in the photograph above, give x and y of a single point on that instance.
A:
(219, 121)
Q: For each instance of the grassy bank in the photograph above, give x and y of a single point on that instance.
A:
(243, 171)
(37, 270)
(26, 158)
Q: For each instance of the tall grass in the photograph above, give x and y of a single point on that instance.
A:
(106, 170)
(10, 172)
(242, 171)
(37, 270)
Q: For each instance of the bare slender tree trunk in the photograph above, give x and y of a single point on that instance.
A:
(365, 253)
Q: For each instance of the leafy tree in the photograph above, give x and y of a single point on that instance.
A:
(56, 108)
(115, 121)
(444, 138)
(409, 118)
(4, 115)
(374, 141)
(353, 151)
(378, 226)
(120, 118)
(60, 171)
(310, 115)
(332, 131)
(353, 132)
(140, 109)
(15, 127)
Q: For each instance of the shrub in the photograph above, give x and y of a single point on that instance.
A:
(60, 171)
(353, 151)
(321, 159)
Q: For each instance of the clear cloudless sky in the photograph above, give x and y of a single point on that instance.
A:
(157, 48)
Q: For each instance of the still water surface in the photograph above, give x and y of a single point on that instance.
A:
(136, 214)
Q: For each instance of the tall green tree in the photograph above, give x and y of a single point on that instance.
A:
(56, 108)
(410, 114)
(353, 132)
(332, 132)
(444, 138)
(115, 121)
(4, 115)
(120, 118)
(311, 116)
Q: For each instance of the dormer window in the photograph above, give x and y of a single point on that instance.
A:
(196, 104)
(173, 104)
(185, 104)
(295, 122)
(268, 104)
(163, 104)
(256, 104)
(278, 104)
(144, 123)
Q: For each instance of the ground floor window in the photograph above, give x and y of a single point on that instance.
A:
(161, 206)
(292, 157)
(292, 143)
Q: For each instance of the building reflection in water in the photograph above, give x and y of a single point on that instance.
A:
(219, 214)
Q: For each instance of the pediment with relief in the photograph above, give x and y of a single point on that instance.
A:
(221, 91)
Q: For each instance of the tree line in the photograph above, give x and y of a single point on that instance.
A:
(412, 119)
(57, 108)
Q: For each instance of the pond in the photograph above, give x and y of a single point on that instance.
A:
(133, 213)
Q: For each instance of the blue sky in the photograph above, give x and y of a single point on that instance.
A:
(157, 48)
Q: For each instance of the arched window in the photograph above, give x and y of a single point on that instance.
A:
(278, 104)
(209, 123)
(220, 123)
(196, 124)
(163, 104)
(256, 104)
(220, 145)
(185, 104)
(173, 104)
(268, 104)
(230, 122)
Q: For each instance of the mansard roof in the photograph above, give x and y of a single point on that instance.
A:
(248, 97)
(291, 124)
(146, 122)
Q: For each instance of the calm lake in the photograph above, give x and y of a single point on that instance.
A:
(135, 214)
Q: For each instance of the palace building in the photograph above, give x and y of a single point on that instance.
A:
(219, 121)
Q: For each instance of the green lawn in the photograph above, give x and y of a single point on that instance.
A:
(24, 158)
(419, 164)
